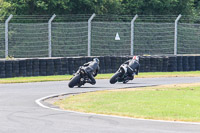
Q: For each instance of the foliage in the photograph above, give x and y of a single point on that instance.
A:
(5, 8)
(147, 7)
(39, 7)
(158, 7)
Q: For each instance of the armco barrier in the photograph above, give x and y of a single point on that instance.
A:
(108, 64)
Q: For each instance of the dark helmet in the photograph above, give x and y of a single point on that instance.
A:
(96, 60)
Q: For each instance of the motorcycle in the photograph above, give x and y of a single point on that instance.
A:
(79, 78)
(121, 75)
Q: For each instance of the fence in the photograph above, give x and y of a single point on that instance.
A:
(98, 35)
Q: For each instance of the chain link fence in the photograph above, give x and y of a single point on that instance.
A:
(115, 35)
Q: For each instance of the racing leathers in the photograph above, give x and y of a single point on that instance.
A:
(133, 68)
(92, 69)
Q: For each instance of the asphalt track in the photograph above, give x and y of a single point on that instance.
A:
(19, 112)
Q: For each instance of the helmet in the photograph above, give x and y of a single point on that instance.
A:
(136, 58)
(96, 60)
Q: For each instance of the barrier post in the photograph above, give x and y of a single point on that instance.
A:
(6, 35)
(89, 34)
(132, 33)
(49, 32)
(175, 34)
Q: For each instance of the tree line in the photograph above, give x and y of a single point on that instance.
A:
(128, 7)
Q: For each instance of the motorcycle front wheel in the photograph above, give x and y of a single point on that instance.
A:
(113, 79)
(74, 81)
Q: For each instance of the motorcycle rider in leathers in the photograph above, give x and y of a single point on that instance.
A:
(92, 69)
(133, 67)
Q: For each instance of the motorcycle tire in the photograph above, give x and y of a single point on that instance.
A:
(74, 81)
(113, 79)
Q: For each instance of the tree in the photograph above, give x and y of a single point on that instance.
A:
(158, 7)
(30, 7)
(37, 7)
(5, 8)
(131, 7)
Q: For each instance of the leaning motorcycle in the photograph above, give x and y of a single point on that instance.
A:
(79, 78)
(121, 75)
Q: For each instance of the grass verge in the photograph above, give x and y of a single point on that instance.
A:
(99, 76)
(167, 102)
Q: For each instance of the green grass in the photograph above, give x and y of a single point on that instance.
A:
(169, 74)
(99, 76)
(176, 103)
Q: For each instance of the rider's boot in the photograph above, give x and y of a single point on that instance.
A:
(128, 78)
(90, 81)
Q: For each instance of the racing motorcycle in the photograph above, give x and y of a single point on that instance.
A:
(79, 78)
(121, 75)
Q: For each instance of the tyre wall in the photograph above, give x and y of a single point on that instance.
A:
(108, 64)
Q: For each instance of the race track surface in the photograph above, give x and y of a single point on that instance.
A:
(20, 114)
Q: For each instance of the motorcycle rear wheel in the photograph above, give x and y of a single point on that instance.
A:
(113, 79)
(74, 81)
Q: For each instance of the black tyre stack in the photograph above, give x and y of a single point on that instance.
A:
(64, 63)
(172, 64)
(142, 63)
(50, 67)
(15, 68)
(113, 64)
(77, 64)
(107, 60)
(147, 64)
(165, 63)
(22, 68)
(102, 64)
(191, 63)
(159, 64)
(57, 66)
(179, 63)
(185, 63)
(43, 67)
(108, 64)
(153, 64)
(118, 63)
(8, 69)
(197, 62)
(2, 69)
(71, 65)
(123, 59)
(29, 67)
(36, 67)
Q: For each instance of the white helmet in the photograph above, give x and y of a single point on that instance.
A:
(96, 60)
(136, 58)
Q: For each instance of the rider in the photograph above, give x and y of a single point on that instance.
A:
(133, 67)
(92, 69)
